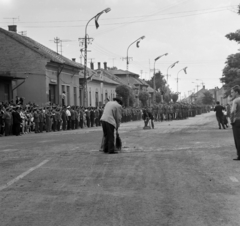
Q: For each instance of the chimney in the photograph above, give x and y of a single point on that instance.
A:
(92, 65)
(105, 65)
(12, 28)
(203, 86)
(74, 59)
(99, 65)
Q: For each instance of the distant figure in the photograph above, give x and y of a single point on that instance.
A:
(235, 118)
(219, 115)
(63, 98)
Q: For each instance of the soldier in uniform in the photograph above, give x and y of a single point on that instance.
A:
(96, 115)
(36, 120)
(40, 120)
(92, 117)
(64, 118)
(58, 119)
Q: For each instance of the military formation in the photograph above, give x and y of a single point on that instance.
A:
(177, 111)
(19, 119)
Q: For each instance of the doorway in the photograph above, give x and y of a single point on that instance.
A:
(52, 93)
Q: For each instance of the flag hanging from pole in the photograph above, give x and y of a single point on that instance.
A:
(96, 21)
(185, 70)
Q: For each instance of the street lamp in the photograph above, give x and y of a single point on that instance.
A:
(154, 82)
(136, 41)
(86, 38)
(171, 66)
(185, 70)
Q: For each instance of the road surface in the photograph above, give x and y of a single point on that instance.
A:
(181, 173)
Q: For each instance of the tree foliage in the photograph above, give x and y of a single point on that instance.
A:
(132, 99)
(158, 97)
(231, 72)
(174, 97)
(124, 92)
(143, 97)
(207, 98)
(167, 98)
(159, 81)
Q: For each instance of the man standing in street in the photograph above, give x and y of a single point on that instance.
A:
(110, 120)
(219, 114)
(235, 118)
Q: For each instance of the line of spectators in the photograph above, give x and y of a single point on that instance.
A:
(19, 119)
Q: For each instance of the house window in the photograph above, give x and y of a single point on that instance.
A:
(75, 95)
(96, 99)
(52, 93)
(68, 95)
(81, 97)
(90, 98)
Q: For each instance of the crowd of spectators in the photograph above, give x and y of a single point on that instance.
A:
(18, 119)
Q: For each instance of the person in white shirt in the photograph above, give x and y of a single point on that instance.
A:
(110, 121)
(68, 113)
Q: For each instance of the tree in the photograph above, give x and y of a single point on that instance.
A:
(143, 97)
(158, 97)
(167, 98)
(174, 97)
(132, 99)
(207, 98)
(159, 81)
(231, 72)
(124, 92)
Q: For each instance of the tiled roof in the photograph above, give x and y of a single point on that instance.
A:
(97, 77)
(113, 77)
(41, 49)
(144, 82)
(150, 89)
(121, 72)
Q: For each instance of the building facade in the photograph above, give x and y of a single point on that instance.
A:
(35, 72)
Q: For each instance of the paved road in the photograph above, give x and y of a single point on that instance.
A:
(181, 173)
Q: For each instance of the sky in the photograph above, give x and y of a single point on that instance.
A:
(190, 31)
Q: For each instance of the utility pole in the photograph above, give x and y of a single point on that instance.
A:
(85, 42)
(57, 41)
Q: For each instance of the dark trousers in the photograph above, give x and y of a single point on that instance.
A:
(72, 123)
(58, 123)
(88, 121)
(81, 123)
(36, 127)
(7, 128)
(54, 126)
(16, 129)
(236, 135)
(69, 123)
(108, 133)
(220, 121)
(96, 122)
(40, 127)
(64, 124)
(92, 121)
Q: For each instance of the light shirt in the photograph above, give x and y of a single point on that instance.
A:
(235, 111)
(68, 113)
(112, 113)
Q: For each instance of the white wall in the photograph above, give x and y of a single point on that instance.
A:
(95, 86)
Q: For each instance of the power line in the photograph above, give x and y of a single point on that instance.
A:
(198, 12)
